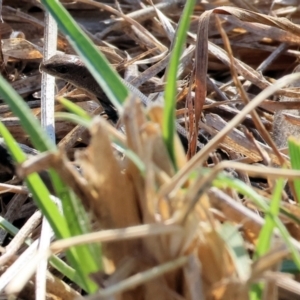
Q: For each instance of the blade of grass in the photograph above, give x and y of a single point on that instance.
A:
(171, 86)
(37, 187)
(95, 61)
(79, 118)
(223, 181)
(265, 235)
(10, 228)
(294, 150)
(75, 109)
(58, 223)
(41, 141)
(30, 124)
(73, 118)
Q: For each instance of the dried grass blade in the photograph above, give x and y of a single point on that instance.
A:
(140, 278)
(266, 31)
(201, 62)
(165, 23)
(249, 16)
(200, 157)
(114, 203)
(254, 114)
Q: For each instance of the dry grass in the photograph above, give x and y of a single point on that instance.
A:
(167, 233)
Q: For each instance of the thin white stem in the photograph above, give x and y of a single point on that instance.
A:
(47, 120)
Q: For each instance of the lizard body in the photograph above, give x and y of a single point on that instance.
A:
(71, 68)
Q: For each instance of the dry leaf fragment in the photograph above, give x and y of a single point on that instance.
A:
(20, 49)
(115, 200)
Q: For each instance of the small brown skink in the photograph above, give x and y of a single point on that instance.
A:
(71, 68)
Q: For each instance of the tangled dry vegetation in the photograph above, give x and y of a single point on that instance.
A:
(202, 234)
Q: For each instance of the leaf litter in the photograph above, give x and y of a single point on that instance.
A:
(211, 256)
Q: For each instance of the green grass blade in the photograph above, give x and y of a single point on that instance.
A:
(171, 86)
(60, 225)
(265, 235)
(73, 118)
(86, 122)
(30, 124)
(129, 153)
(97, 64)
(223, 181)
(66, 270)
(75, 109)
(294, 150)
(10, 228)
(37, 188)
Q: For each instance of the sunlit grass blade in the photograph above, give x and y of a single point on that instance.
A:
(8, 227)
(272, 221)
(265, 236)
(266, 233)
(294, 150)
(61, 225)
(37, 188)
(73, 118)
(171, 86)
(30, 124)
(66, 270)
(79, 118)
(75, 109)
(223, 181)
(58, 222)
(97, 64)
